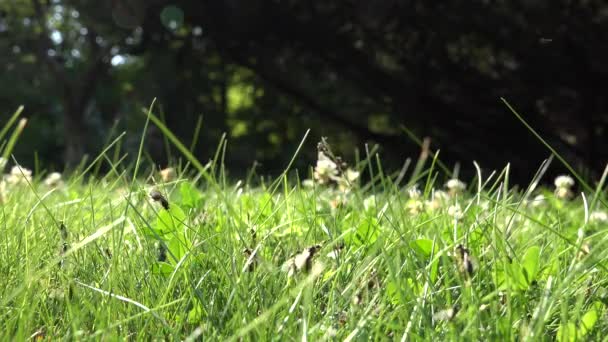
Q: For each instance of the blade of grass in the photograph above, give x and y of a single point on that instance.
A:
(10, 122)
(12, 141)
(553, 151)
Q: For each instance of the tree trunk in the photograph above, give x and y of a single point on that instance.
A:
(75, 135)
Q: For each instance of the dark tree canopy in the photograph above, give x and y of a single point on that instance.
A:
(356, 71)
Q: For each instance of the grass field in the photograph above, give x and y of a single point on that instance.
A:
(186, 254)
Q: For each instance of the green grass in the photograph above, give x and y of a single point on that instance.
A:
(81, 261)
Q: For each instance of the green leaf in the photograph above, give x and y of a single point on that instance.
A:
(566, 332)
(423, 246)
(516, 276)
(191, 197)
(530, 263)
(162, 268)
(393, 293)
(589, 319)
(178, 246)
(170, 221)
(570, 332)
(195, 315)
(366, 234)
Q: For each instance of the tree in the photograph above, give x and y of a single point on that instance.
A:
(264, 71)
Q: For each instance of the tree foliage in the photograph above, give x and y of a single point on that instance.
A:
(264, 71)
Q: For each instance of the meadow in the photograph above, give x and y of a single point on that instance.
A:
(347, 252)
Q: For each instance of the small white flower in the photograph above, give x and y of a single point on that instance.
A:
(564, 181)
(308, 183)
(300, 261)
(455, 211)
(53, 180)
(347, 180)
(414, 192)
(432, 205)
(325, 170)
(415, 207)
(337, 202)
(351, 175)
(484, 205)
(438, 199)
(19, 175)
(538, 201)
(563, 193)
(167, 174)
(598, 216)
(455, 186)
(3, 191)
(440, 195)
(369, 202)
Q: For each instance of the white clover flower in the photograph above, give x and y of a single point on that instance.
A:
(455, 211)
(326, 170)
(347, 180)
(484, 205)
(369, 202)
(351, 175)
(441, 195)
(438, 199)
(414, 192)
(455, 186)
(53, 180)
(538, 201)
(415, 207)
(19, 175)
(167, 174)
(432, 205)
(563, 184)
(564, 181)
(3, 191)
(563, 193)
(598, 216)
(337, 202)
(308, 183)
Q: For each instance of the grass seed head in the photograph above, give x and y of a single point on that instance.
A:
(158, 197)
(465, 261)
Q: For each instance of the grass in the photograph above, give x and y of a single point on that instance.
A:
(99, 258)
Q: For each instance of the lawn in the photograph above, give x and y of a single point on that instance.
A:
(344, 252)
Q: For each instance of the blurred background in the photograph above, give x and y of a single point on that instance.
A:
(265, 71)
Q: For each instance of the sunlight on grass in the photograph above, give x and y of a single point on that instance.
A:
(345, 252)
